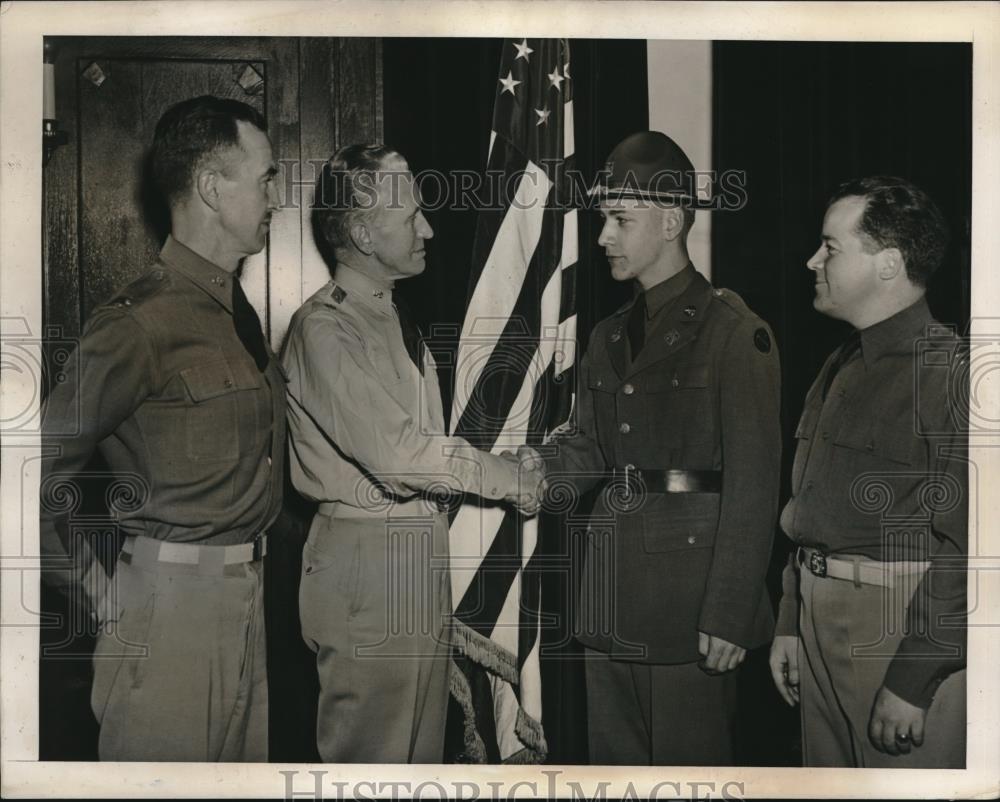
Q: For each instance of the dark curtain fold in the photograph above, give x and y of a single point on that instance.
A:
(798, 118)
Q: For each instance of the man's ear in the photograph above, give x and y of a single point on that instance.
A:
(673, 222)
(361, 236)
(207, 184)
(889, 263)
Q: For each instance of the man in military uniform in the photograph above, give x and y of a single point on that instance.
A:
(367, 442)
(681, 406)
(180, 391)
(871, 635)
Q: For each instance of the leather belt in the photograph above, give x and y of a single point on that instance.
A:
(672, 481)
(194, 553)
(857, 569)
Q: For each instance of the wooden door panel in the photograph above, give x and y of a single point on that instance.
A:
(122, 221)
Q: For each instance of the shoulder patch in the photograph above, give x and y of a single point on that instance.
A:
(762, 340)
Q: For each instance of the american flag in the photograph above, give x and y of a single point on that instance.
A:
(514, 383)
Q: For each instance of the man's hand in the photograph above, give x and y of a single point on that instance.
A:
(895, 724)
(529, 491)
(720, 655)
(785, 667)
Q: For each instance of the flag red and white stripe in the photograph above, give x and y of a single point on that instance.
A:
(513, 385)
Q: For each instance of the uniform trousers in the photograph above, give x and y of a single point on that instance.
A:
(181, 675)
(640, 714)
(849, 633)
(374, 601)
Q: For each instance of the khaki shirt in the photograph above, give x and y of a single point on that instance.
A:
(367, 429)
(191, 430)
(881, 471)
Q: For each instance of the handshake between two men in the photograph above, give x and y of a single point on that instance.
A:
(528, 492)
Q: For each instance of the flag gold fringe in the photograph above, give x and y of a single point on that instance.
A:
(530, 733)
(488, 654)
(499, 661)
(475, 749)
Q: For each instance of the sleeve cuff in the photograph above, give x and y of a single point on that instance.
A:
(914, 675)
(788, 617)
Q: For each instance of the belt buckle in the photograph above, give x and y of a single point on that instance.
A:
(259, 548)
(817, 563)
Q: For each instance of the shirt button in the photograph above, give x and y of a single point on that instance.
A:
(810, 484)
(228, 382)
(268, 460)
(691, 539)
(600, 382)
(628, 389)
(870, 446)
(127, 301)
(675, 382)
(624, 428)
(309, 569)
(826, 435)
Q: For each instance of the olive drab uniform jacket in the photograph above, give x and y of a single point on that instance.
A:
(703, 396)
(192, 430)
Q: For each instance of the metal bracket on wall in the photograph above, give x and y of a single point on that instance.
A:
(251, 80)
(95, 74)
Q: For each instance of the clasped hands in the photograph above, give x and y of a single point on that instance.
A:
(528, 490)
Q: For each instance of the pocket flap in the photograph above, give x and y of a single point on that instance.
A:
(892, 442)
(685, 377)
(210, 380)
(602, 381)
(681, 521)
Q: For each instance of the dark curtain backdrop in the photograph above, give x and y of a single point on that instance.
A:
(799, 118)
(438, 97)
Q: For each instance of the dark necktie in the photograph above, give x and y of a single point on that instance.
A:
(637, 325)
(411, 334)
(247, 326)
(850, 347)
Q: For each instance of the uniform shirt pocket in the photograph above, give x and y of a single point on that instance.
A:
(219, 426)
(678, 403)
(888, 443)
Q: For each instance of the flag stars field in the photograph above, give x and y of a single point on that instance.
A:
(509, 83)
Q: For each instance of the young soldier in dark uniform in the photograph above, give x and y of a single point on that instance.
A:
(871, 635)
(681, 404)
(180, 391)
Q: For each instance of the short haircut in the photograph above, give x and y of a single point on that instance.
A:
(191, 132)
(899, 215)
(347, 190)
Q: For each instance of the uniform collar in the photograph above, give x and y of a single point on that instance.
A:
(374, 294)
(208, 276)
(895, 333)
(661, 295)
